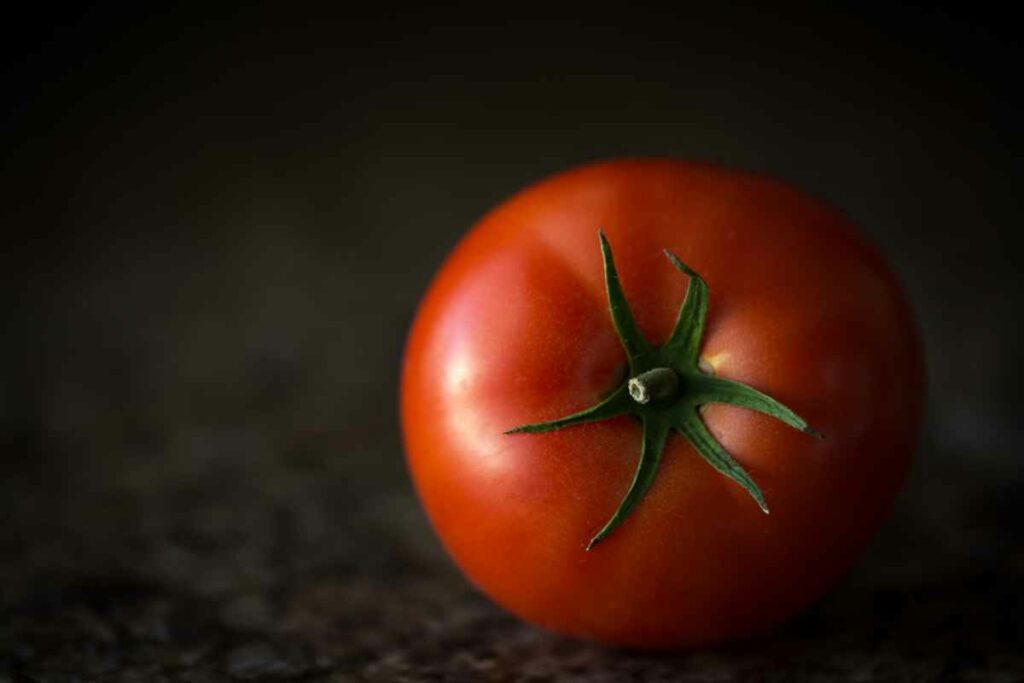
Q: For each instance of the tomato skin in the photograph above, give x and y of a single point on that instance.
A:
(515, 329)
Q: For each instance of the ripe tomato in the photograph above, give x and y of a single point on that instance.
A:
(516, 329)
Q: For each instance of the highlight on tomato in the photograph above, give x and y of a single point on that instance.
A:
(660, 404)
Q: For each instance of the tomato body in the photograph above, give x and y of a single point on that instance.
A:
(516, 329)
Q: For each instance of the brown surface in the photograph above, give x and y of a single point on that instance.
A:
(251, 567)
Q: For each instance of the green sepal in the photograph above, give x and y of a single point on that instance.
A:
(683, 344)
(707, 389)
(622, 317)
(619, 403)
(655, 433)
(696, 432)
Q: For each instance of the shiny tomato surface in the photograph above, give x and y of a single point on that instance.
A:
(515, 329)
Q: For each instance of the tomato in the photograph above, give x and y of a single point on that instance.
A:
(516, 329)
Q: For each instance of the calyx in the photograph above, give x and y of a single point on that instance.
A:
(665, 389)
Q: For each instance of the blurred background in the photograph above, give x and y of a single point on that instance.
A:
(217, 228)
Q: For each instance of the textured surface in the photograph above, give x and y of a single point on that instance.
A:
(217, 226)
(270, 570)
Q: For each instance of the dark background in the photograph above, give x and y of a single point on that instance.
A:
(217, 227)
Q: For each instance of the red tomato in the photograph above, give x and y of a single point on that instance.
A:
(516, 329)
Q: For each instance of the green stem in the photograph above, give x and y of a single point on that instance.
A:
(654, 385)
